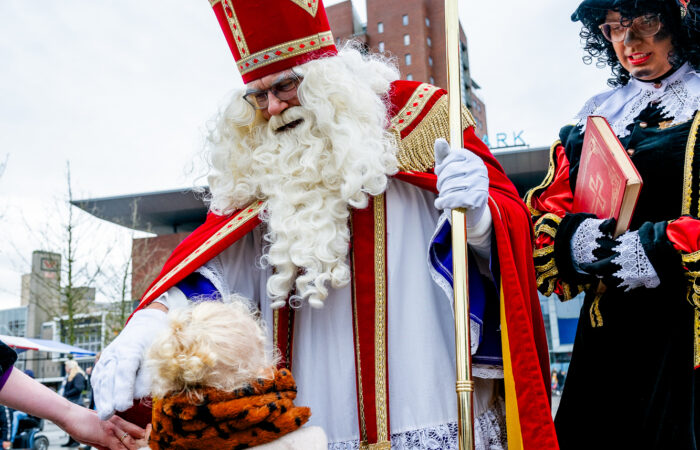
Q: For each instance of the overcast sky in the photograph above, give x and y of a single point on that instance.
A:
(123, 89)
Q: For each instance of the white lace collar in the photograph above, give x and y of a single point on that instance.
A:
(678, 96)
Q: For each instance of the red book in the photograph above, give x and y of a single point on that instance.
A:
(608, 184)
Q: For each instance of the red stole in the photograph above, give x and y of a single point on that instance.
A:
(369, 297)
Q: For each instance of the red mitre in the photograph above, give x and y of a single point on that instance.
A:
(267, 36)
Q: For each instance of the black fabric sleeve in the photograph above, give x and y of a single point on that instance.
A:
(660, 251)
(562, 248)
(7, 357)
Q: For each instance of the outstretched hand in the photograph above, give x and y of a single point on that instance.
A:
(119, 377)
(113, 434)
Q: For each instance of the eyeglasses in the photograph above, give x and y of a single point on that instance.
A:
(284, 90)
(644, 26)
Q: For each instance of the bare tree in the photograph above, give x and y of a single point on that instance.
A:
(119, 288)
(63, 288)
(126, 280)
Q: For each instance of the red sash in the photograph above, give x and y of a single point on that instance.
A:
(369, 324)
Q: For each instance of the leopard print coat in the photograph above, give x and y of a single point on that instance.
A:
(253, 415)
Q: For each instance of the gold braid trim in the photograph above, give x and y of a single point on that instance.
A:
(548, 179)
(546, 265)
(688, 168)
(690, 261)
(416, 151)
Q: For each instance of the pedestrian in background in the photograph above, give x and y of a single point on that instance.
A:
(76, 383)
(20, 392)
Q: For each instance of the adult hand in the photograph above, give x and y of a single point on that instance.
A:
(623, 263)
(115, 434)
(120, 377)
(590, 236)
(462, 181)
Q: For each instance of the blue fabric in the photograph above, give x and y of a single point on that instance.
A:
(567, 330)
(197, 287)
(483, 297)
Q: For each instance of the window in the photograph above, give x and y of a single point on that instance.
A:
(380, 27)
(430, 61)
(432, 80)
(409, 77)
(406, 39)
(405, 19)
(427, 22)
(381, 47)
(408, 59)
(430, 43)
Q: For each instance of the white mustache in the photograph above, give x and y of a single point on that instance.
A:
(288, 116)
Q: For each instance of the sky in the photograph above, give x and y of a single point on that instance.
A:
(123, 92)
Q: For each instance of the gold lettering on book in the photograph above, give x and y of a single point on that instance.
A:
(597, 186)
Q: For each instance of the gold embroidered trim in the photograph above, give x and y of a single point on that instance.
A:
(596, 317)
(213, 2)
(283, 51)
(690, 147)
(693, 288)
(358, 369)
(691, 257)
(549, 274)
(386, 445)
(693, 295)
(380, 318)
(235, 27)
(551, 171)
(233, 224)
(310, 6)
(275, 328)
(416, 150)
(544, 251)
(541, 225)
(697, 342)
(413, 106)
(688, 167)
(550, 216)
(546, 229)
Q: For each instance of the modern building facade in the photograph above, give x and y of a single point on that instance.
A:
(39, 318)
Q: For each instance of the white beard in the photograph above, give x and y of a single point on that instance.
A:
(309, 190)
(310, 175)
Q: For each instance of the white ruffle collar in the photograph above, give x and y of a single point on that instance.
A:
(678, 96)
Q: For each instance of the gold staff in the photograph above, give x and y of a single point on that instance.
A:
(464, 385)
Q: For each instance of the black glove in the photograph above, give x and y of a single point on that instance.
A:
(621, 262)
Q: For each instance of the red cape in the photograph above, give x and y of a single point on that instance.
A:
(526, 360)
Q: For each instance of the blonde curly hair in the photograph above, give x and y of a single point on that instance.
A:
(211, 344)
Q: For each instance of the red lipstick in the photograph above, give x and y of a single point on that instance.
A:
(638, 58)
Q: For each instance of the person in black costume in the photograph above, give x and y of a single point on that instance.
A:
(646, 323)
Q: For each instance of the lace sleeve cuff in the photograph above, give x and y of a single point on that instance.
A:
(553, 264)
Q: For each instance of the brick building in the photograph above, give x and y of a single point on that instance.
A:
(412, 32)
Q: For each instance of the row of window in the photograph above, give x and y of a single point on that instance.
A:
(409, 77)
(406, 41)
(404, 21)
(407, 60)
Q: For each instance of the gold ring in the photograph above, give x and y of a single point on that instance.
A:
(123, 436)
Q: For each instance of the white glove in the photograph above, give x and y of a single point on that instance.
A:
(119, 376)
(462, 181)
